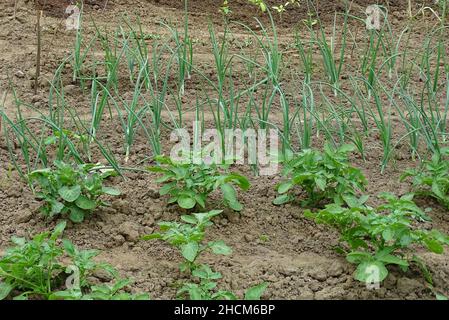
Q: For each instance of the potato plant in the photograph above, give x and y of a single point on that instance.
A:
(382, 236)
(187, 236)
(40, 267)
(71, 190)
(204, 287)
(105, 291)
(326, 176)
(433, 178)
(190, 184)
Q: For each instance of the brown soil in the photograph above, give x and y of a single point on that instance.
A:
(57, 8)
(270, 243)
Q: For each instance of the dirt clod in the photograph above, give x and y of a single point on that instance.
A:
(130, 231)
(24, 216)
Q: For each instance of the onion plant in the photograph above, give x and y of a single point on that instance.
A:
(333, 64)
(272, 66)
(184, 50)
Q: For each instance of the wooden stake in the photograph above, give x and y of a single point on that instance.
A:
(15, 8)
(38, 54)
(410, 14)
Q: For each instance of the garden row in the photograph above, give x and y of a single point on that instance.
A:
(371, 238)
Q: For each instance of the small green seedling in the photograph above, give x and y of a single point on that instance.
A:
(324, 176)
(46, 268)
(75, 191)
(433, 178)
(190, 184)
(59, 136)
(114, 291)
(205, 287)
(188, 236)
(382, 236)
(260, 3)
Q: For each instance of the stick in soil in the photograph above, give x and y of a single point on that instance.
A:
(15, 9)
(38, 54)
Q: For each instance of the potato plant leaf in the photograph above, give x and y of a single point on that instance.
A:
(190, 251)
(5, 289)
(371, 272)
(70, 194)
(256, 292)
(219, 247)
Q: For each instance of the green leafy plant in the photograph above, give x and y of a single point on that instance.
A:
(188, 236)
(281, 8)
(260, 3)
(71, 190)
(382, 236)
(30, 267)
(205, 287)
(190, 184)
(323, 176)
(112, 291)
(41, 268)
(433, 178)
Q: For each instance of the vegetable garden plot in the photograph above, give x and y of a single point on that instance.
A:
(351, 114)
